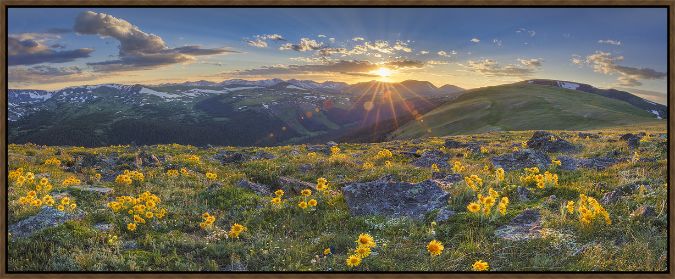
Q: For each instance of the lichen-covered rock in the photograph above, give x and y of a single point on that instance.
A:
(548, 142)
(444, 214)
(394, 199)
(598, 163)
(644, 211)
(525, 226)
(260, 189)
(47, 217)
(633, 140)
(615, 195)
(431, 157)
(521, 159)
(229, 157)
(523, 193)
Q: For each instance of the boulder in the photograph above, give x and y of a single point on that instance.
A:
(444, 214)
(319, 149)
(444, 179)
(633, 140)
(644, 211)
(394, 199)
(588, 135)
(262, 155)
(598, 163)
(295, 186)
(229, 157)
(614, 196)
(548, 142)
(47, 217)
(523, 193)
(431, 157)
(260, 189)
(525, 226)
(521, 159)
(450, 143)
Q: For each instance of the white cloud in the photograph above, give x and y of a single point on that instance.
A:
(356, 39)
(497, 42)
(492, 68)
(321, 36)
(606, 63)
(611, 42)
(475, 40)
(531, 33)
(305, 44)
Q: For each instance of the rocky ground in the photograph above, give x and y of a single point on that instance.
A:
(402, 193)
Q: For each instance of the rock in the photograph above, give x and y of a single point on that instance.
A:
(294, 153)
(104, 227)
(96, 190)
(547, 142)
(129, 245)
(306, 167)
(632, 140)
(450, 143)
(614, 196)
(416, 141)
(236, 266)
(444, 214)
(292, 185)
(319, 149)
(226, 157)
(260, 189)
(522, 159)
(262, 155)
(525, 226)
(411, 154)
(523, 193)
(550, 201)
(644, 212)
(588, 135)
(394, 199)
(431, 157)
(598, 163)
(444, 179)
(47, 217)
(331, 144)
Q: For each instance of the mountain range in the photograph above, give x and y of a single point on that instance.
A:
(274, 111)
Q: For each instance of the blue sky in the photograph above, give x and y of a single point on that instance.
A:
(468, 47)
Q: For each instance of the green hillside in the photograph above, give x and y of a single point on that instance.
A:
(517, 107)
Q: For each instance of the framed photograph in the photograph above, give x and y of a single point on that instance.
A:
(349, 137)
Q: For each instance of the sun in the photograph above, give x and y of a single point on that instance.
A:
(383, 72)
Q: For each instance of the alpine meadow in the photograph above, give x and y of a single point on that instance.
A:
(428, 139)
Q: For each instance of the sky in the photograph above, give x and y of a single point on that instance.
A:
(51, 48)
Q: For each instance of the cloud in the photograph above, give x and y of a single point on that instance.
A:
(611, 42)
(606, 63)
(497, 42)
(356, 39)
(424, 52)
(30, 49)
(492, 68)
(577, 60)
(353, 67)
(475, 40)
(305, 44)
(261, 40)
(446, 54)
(533, 62)
(437, 62)
(402, 46)
(46, 74)
(138, 50)
(257, 43)
(321, 36)
(531, 33)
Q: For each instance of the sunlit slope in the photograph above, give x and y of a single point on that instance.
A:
(523, 107)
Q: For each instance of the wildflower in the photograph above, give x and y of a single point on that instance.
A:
(73, 205)
(211, 176)
(388, 164)
(306, 192)
(434, 168)
(636, 157)
(32, 193)
(236, 229)
(53, 161)
(334, 150)
(60, 207)
(570, 207)
(353, 260)
(131, 227)
(172, 173)
(362, 251)
(312, 202)
(276, 200)
(302, 204)
(44, 181)
(65, 200)
(480, 265)
(457, 167)
(499, 174)
(367, 165)
(149, 215)
(321, 184)
(97, 177)
(36, 203)
(123, 179)
(312, 154)
(435, 248)
(484, 150)
(555, 162)
(523, 144)
(473, 207)
(279, 193)
(365, 240)
(384, 153)
(326, 251)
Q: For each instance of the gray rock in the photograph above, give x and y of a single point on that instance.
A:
(236, 266)
(598, 163)
(588, 135)
(260, 189)
(632, 140)
(431, 157)
(104, 227)
(644, 211)
(319, 149)
(525, 226)
(262, 155)
(129, 245)
(614, 196)
(444, 214)
(47, 217)
(394, 199)
(331, 144)
(229, 157)
(521, 159)
(523, 193)
(450, 143)
(292, 185)
(547, 142)
(444, 179)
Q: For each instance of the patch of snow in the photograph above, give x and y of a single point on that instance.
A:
(658, 116)
(210, 91)
(294, 87)
(157, 93)
(568, 85)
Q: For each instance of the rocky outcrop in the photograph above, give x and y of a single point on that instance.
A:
(521, 159)
(47, 217)
(548, 142)
(525, 226)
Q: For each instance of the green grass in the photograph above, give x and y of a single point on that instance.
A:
(517, 107)
(292, 239)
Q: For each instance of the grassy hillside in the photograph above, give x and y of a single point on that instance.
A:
(285, 237)
(517, 107)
